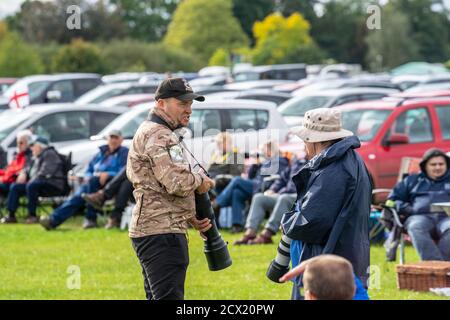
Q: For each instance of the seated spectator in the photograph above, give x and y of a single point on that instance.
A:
(225, 161)
(240, 190)
(102, 168)
(44, 176)
(277, 200)
(326, 277)
(413, 198)
(119, 188)
(21, 158)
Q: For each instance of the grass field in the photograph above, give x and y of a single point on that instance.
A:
(36, 264)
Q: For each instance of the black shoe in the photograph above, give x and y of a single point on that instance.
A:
(46, 223)
(8, 220)
(89, 224)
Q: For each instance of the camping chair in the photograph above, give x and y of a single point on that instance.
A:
(388, 217)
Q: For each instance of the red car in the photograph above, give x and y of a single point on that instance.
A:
(393, 128)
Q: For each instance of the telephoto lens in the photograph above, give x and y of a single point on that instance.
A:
(280, 265)
(215, 249)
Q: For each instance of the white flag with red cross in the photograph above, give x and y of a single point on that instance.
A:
(19, 98)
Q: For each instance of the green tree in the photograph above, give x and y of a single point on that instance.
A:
(44, 22)
(202, 26)
(283, 40)
(220, 58)
(78, 56)
(248, 12)
(130, 54)
(305, 7)
(17, 59)
(387, 49)
(341, 30)
(430, 28)
(146, 19)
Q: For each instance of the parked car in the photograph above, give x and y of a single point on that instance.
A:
(419, 94)
(219, 80)
(409, 81)
(258, 84)
(61, 124)
(390, 129)
(5, 83)
(128, 100)
(250, 122)
(258, 94)
(101, 93)
(50, 88)
(294, 109)
(291, 72)
(429, 87)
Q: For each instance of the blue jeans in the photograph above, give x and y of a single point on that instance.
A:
(32, 191)
(421, 228)
(235, 194)
(75, 203)
(4, 189)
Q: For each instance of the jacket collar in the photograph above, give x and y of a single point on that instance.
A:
(160, 117)
(334, 152)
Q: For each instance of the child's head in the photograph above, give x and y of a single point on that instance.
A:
(329, 277)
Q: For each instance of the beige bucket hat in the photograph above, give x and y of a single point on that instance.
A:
(322, 124)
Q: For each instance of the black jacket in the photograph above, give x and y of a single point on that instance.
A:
(49, 169)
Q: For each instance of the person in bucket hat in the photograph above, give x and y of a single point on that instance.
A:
(331, 213)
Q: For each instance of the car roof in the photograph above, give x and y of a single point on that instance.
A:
(61, 76)
(392, 103)
(222, 103)
(275, 67)
(57, 107)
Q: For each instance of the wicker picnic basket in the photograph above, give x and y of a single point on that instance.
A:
(423, 275)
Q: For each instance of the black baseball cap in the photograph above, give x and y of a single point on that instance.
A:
(176, 88)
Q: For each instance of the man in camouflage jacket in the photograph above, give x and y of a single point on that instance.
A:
(164, 186)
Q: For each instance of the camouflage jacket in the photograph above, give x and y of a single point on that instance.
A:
(163, 182)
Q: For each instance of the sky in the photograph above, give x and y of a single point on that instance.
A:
(8, 7)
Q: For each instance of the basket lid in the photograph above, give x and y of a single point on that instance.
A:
(425, 267)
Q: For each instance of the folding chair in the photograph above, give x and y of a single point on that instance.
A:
(388, 217)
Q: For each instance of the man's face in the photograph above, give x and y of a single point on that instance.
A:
(36, 149)
(436, 167)
(114, 142)
(178, 110)
(22, 144)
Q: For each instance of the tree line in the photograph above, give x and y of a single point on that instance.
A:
(162, 35)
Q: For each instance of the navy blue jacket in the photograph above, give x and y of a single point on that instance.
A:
(414, 194)
(285, 184)
(332, 209)
(106, 162)
(257, 172)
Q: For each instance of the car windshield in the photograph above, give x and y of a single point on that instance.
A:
(127, 123)
(10, 120)
(298, 108)
(100, 94)
(364, 123)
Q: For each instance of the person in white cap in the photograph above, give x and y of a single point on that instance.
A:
(331, 213)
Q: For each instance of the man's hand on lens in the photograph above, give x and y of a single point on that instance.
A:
(206, 185)
(201, 225)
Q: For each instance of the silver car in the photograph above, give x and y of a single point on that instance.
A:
(61, 124)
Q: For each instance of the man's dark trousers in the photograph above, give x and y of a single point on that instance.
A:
(164, 259)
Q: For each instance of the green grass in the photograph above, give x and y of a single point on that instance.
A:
(34, 265)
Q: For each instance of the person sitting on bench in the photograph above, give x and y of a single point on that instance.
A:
(44, 176)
